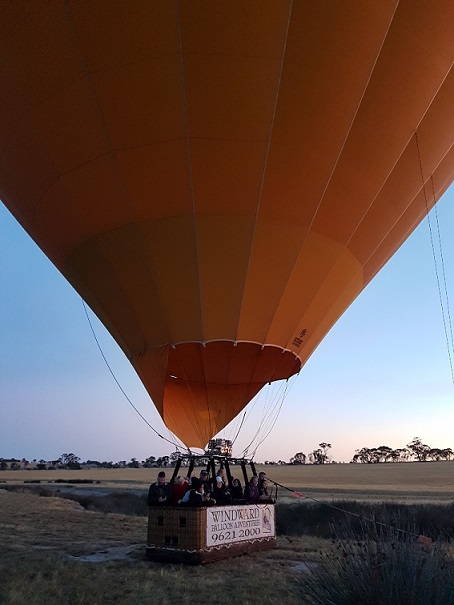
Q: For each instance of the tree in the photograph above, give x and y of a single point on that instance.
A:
(382, 453)
(133, 463)
(316, 456)
(436, 454)
(70, 461)
(299, 458)
(150, 462)
(399, 455)
(320, 455)
(418, 449)
(325, 447)
(165, 461)
(93, 463)
(174, 456)
(362, 456)
(448, 454)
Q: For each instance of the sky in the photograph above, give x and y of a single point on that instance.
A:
(380, 377)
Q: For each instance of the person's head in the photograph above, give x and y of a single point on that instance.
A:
(197, 484)
(220, 473)
(254, 480)
(262, 476)
(203, 475)
(264, 482)
(161, 477)
(236, 482)
(219, 481)
(178, 480)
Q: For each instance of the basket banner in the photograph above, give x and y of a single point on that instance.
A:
(229, 524)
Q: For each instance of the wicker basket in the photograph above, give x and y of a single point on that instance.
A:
(177, 527)
(178, 534)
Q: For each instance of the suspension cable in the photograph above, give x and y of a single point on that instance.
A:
(270, 417)
(440, 295)
(443, 272)
(118, 383)
(286, 391)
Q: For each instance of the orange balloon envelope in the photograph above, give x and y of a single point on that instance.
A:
(220, 180)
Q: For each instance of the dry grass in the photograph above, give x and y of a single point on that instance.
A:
(414, 482)
(44, 542)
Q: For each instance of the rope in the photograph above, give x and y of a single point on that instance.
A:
(247, 413)
(440, 295)
(239, 428)
(270, 407)
(440, 247)
(286, 391)
(419, 537)
(119, 385)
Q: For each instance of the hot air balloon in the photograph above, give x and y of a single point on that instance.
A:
(220, 180)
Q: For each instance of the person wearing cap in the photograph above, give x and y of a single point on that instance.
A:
(206, 483)
(160, 493)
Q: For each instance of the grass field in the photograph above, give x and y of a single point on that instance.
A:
(54, 551)
(416, 482)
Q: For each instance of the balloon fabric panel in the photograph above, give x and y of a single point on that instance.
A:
(219, 181)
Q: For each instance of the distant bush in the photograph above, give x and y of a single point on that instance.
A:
(379, 569)
(124, 503)
(76, 481)
(318, 519)
(120, 502)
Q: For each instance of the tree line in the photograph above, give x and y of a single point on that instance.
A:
(415, 451)
(318, 456)
(72, 462)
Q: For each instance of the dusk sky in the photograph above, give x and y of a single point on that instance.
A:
(380, 377)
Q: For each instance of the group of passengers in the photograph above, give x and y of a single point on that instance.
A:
(201, 491)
